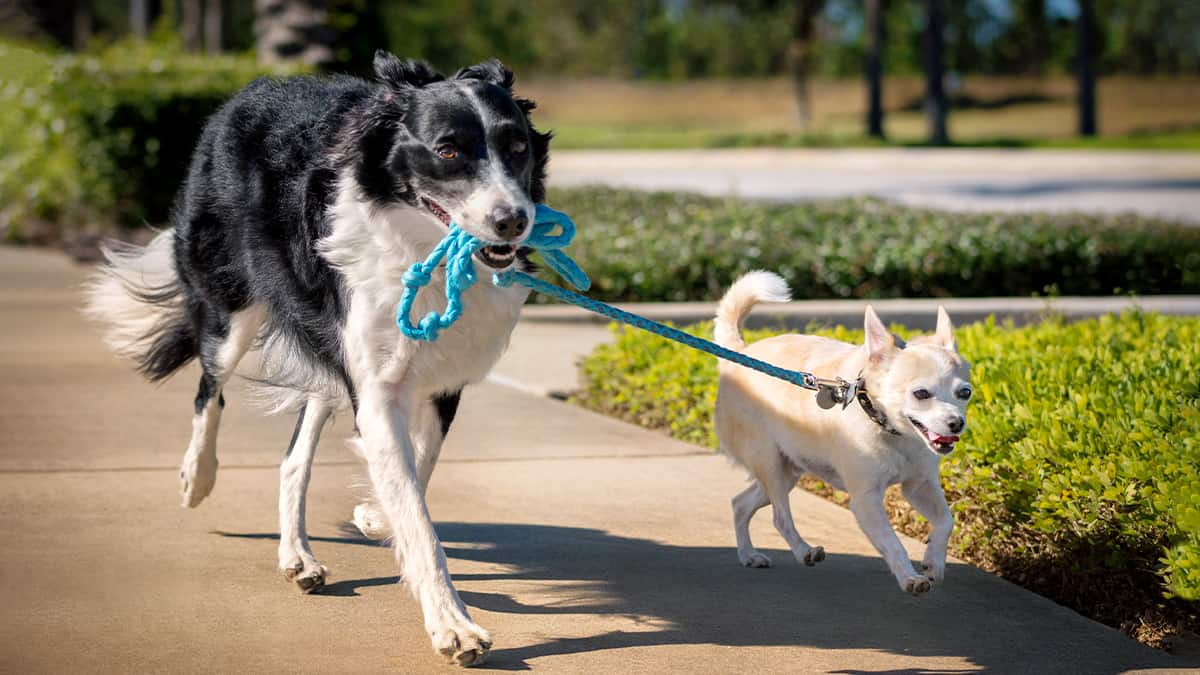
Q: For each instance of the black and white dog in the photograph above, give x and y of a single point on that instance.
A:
(306, 200)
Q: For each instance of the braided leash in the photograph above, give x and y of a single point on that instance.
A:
(553, 231)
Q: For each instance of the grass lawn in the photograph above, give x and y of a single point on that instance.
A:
(1134, 113)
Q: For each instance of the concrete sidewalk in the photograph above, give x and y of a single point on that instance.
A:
(583, 544)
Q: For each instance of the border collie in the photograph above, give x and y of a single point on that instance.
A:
(306, 200)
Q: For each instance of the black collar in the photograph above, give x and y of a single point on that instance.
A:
(872, 412)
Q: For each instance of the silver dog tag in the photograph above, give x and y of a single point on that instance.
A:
(825, 398)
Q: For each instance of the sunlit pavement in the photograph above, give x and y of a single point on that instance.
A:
(583, 544)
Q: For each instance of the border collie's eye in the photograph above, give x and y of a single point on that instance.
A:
(964, 393)
(519, 147)
(922, 394)
(446, 151)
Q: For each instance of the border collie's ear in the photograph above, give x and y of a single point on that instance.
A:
(404, 73)
(491, 70)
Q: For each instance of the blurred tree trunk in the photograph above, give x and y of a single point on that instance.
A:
(292, 30)
(1085, 68)
(935, 94)
(800, 55)
(876, 39)
(214, 26)
(139, 18)
(190, 24)
(1031, 17)
(81, 25)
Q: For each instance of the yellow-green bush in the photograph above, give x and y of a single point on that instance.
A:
(1079, 474)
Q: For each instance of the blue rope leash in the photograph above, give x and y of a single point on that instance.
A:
(553, 231)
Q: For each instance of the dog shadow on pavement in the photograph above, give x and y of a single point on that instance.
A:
(681, 595)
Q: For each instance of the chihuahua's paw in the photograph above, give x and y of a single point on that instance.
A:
(934, 570)
(916, 585)
(815, 555)
(754, 559)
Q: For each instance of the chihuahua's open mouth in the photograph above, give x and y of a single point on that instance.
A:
(943, 445)
(496, 256)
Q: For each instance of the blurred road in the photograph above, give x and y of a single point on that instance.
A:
(1163, 184)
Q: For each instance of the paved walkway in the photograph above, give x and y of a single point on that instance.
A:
(583, 544)
(1154, 183)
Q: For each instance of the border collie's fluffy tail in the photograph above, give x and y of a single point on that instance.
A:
(138, 296)
(749, 290)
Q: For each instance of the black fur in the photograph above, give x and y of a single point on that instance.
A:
(447, 408)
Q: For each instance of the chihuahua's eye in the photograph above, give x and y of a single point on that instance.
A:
(446, 151)
(519, 147)
(964, 393)
(922, 394)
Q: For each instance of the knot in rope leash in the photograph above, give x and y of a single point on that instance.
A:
(553, 231)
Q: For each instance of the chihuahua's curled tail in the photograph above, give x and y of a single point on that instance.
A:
(749, 290)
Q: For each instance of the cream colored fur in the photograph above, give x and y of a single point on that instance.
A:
(778, 432)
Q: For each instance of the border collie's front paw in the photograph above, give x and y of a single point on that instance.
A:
(934, 571)
(815, 555)
(916, 585)
(463, 643)
(309, 576)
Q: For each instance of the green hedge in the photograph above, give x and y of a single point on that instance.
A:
(1079, 475)
(103, 138)
(675, 246)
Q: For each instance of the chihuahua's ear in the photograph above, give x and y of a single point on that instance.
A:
(880, 342)
(945, 331)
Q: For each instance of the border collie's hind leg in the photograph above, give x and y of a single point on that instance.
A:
(224, 340)
(296, 559)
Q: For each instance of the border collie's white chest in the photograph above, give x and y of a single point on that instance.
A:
(373, 248)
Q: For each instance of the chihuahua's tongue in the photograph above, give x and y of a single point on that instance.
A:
(938, 438)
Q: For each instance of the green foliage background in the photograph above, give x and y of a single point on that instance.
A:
(103, 137)
(1079, 474)
(677, 246)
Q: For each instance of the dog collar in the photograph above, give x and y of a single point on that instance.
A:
(869, 408)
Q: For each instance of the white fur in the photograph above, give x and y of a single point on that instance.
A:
(198, 472)
(395, 377)
(750, 289)
(112, 295)
(778, 432)
(296, 559)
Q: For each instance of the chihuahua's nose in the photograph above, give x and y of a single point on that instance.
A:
(956, 423)
(509, 223)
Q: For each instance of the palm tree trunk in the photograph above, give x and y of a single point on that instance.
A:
(800, 51)
(876, 39)
(935, 94)
(1085, 70)
(214, 26)
(291, 30)
(190, 22)
(139, 18)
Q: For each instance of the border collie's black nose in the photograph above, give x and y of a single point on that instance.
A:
(955, 424)
(509, 223)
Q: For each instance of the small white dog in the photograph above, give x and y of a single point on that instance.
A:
(910, 414)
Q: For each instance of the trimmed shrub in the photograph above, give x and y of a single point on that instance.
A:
(676, 246)
(1078, 477)
(103, 138)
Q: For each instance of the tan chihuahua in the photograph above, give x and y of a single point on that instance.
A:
(909, 416)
